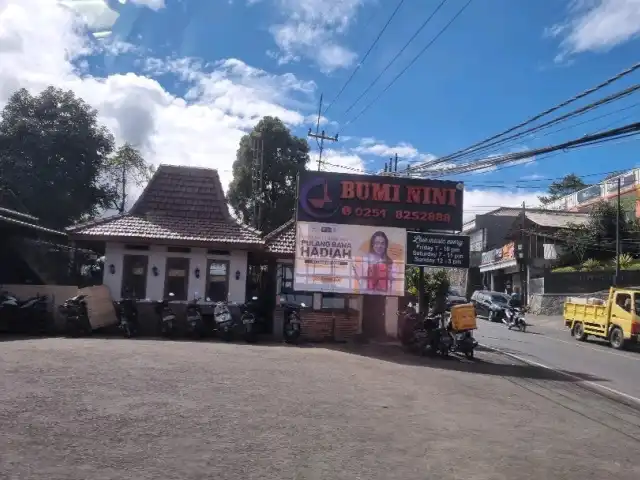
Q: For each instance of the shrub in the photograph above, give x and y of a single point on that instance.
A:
(626, 261)
(564, 269)
(591, 264)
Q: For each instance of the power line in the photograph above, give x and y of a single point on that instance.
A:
(574, 113)
(573, 99)
(397, 55)
(395, 79)
(361, 62)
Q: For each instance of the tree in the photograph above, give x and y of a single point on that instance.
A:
(124, 170)
(53, 155)
(284, 156)
(569, 184)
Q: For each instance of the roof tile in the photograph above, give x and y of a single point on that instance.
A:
(179, 203)
(282, 239)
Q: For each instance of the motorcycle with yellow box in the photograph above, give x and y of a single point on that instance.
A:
(461, 324)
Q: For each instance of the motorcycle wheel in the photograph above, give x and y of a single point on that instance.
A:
(72, 329)
(291, 333)
(469, 354)
(226, 334)
(523, 327)
(250, 335)
(126, 329)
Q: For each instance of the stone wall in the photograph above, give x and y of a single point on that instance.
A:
(553, 304)
(457, 276)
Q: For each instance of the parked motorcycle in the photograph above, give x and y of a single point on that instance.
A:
(440, 340)
(29, 316)
(292, 327)
(76, 316)
(223, 321)
(166, 316)
(195, 323)
(127, 312)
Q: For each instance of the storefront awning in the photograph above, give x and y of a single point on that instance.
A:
(498, 265)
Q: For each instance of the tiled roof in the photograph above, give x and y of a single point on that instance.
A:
(171, 228)
(282, 239)
(557, 219)
(179, 203)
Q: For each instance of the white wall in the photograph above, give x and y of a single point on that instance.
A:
(391, 316)
(157, 254)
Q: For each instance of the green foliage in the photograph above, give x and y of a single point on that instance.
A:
(564, 269)
(284, 156)
(53, 157)
(569, 184)
(125, 169)
(626, 261)
(591, 264)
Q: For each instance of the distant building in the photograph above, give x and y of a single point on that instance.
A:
(583, 200)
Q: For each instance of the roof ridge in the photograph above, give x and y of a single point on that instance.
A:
(97, 221)
(279, 229)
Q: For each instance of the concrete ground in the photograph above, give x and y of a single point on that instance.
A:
(144, 409)
(555, 347)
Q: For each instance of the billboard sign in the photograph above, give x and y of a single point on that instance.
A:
(437, 250)
(356, 259)
(409, 203)
(626, 180)
(589, 193)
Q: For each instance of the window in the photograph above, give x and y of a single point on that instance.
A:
(134, 276)
(623, 300)
(177, 278)
(217, 280)
(284, 286)
(285, 278)
(333, 300)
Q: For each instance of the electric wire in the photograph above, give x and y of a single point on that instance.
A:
(393, 60)
(413, 61)
(361, 62)
(567, 102)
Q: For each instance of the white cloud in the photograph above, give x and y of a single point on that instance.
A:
(482, 201)
(338, 161)
(597, 25)
(311, 29)
(42, 40)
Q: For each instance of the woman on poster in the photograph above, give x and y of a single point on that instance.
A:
(376, 271)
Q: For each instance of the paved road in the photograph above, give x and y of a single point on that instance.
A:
(144, 409)
(554, 347)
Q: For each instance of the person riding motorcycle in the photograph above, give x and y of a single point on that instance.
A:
(513, 303)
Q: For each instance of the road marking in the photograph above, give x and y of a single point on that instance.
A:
(568, 375)
(601, 349)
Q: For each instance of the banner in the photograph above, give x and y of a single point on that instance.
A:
(352, 259)
(437, 250)
(410, 203)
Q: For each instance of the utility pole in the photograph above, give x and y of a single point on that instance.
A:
(396, 164)
(257, 176)
(521, 254)
(616, 277)
(320, 136)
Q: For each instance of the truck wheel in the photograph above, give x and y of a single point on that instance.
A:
(578, 332)
(616, 338)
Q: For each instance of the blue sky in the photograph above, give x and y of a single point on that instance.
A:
(184, 79)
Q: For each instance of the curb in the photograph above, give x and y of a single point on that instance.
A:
(610, 393)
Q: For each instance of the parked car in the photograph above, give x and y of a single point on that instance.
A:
(486, 300)
(455, 297)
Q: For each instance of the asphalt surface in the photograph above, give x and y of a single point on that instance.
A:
(553, 346)
(121, 409)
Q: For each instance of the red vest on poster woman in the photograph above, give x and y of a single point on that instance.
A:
(378, 277)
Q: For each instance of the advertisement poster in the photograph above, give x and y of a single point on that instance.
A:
(409, 203)
(437, 250)
(354, 259)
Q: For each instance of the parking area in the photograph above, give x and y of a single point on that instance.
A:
(147, 409)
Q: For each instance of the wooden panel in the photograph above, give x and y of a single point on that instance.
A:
(100, 306)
